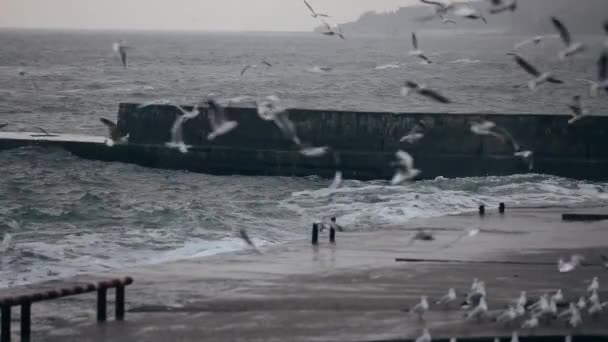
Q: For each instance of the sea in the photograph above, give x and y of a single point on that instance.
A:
(61, 215)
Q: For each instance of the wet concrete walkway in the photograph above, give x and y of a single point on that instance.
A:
(353, 291)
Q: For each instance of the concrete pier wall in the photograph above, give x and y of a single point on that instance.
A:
(365, 142)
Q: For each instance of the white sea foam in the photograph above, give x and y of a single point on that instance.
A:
(465, 61)
(388, 66)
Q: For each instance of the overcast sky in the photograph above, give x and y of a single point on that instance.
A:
(216, 15)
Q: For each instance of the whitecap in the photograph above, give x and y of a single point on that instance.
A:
(465, 61)
(387, 66)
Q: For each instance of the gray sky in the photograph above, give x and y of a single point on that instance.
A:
(224, 15)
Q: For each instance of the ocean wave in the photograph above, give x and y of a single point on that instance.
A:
(465, 61)
(387, 66)
(320, 70)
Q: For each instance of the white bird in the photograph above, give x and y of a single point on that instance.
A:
(602, 75)
(594, 298)
(572, 48)
(115, 135)
(594, 286)
(421, 308)
(440, 9)
(412, 138)
(569, 266)
(269, 107)
(540, 78)
(522, 300)
(314, 152)
(333, 31)
(445, 20)
(531, 323)
(421, 89)
(541, 304)
(508, 315)
(425, 337)
(596, 308)
(578, 110)
(486, 128)
(177, 135)
(252, 66)
(155, 102)
(335, 184)
(558, 296)
(582, 303)
(467, 11)
(286, 126)
(405, 168)
(536, 40)
(120, 49)
(568, 312)
(416, 51)
(515, 337)
(448, 298)
(480, 311)
(314, 14)
(576, 319)
(527, 156)
(218, 122)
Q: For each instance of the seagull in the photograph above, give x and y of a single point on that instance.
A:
(220, 125)
(596, 308)
(314, 151)
(250, 66)
(508, 315)
(594, 286)
(155, 102)
(177, 136)
(479, 311)
(313, 12)
(120, 49)
(269, 107)
(602, 75)
(468, 12)
(335, 184)
(569, 266)
(578, 111)
(531, 323)
(445, 20)
(536, 40)
(410, 86)
(421, 308)
(448, 298)
(527, 156)
(568, 312)
(425, 337)
(500, 7)
(245, 237)
(281, 120)
(558, 297)
(522, 300)
(540, 78)
(405, 168)
(113, 132)
(416, 50)
(582, 303)
(486, 128)
(572, 48)
(2, 125)
(475, 295)
(414, 135)
(333, 31)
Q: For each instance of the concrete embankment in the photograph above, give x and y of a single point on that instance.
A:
(354, 290)
(365, 142)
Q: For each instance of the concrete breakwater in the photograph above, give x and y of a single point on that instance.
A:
(365, 143)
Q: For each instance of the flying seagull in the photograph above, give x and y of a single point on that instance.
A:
(536, 40)
(250, 66)
(499, 6)
(416, 50)
(578, 110)
(486, 128)
(448, 298)
(572, 48)
(440, 8)
(333, 31)
(422, 90)
(602, 75)
(468, 12)
(405, 168)
(217, 120)
(313, 12)
(445, 20)
(113, 132)
(540, 77)
(177, 134)
(425, 337)
(120, 49)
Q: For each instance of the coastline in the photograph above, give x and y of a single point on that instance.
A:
(351, 291)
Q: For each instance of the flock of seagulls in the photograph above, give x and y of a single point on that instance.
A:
(521, 313)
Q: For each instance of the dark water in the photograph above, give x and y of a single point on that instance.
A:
(60, 215)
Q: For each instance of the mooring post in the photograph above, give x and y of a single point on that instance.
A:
(101, 303)
(5, 329)
(332, 235)
(501, 208)
(120, 303)
(26, 321)
(315, 234)
(482, 210)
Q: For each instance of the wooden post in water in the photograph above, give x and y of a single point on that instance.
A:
(332, 235)
(120, 303)
(5, 329)
(26, 321)
(315, 234)
(101, 303)
(482, 210)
